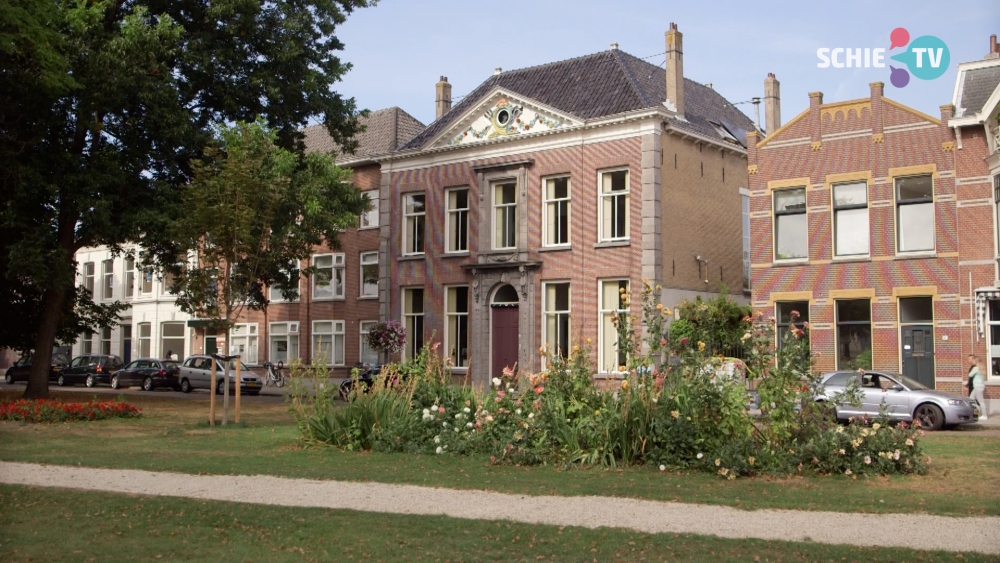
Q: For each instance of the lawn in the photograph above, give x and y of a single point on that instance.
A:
(174, 437)
(60, 525)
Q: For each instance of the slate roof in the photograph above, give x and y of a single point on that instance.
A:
(977, 86)
(601, 85)
(385, 131)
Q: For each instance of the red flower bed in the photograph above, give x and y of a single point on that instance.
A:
(47, 410)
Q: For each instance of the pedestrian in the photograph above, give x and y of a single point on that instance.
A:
(976, 384)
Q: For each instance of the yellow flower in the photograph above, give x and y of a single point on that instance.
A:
(597, 413)
(876, 426)
(667, 311)
(751, 460)
(675, 414)
(909, 442)
(624, 384)
(659, 306)
(718, 462)
(701, 346)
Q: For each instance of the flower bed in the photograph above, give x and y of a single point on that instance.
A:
(48, 410)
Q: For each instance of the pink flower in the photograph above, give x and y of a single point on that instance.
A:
(440, 409)
(539, 389)
(685, 340)
(663, 342)
(501, 394)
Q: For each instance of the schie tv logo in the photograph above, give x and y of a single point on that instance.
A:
(926, 57)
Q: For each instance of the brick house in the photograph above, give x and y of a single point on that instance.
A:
(868, 220)
(517, 217)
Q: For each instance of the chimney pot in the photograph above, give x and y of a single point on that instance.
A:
(614, 46)
(442, 101)
(994, 49)
(675, 70)
(772, 103)
(497, 71)
(709, 85)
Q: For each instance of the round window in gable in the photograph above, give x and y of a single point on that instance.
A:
(503, 116)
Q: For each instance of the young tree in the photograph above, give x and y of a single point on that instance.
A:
(105, 104)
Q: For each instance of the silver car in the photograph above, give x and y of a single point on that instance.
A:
(903, 398)
(196, 373)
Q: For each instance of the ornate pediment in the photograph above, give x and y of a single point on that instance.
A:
(503, 115)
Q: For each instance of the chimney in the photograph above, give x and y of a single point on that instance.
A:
(994, 49)
(772, 103)
(442, 104)
(675, 70)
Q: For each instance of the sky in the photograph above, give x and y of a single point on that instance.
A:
(399, 48)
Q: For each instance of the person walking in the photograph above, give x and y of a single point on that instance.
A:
(976, 384)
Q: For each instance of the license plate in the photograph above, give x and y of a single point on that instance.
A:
(252, 384)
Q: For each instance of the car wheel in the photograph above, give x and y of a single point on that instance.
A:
(185, 386)
(9, 379)
(115, 383)
(929, 416)
(147, 385)
(91, 381)
(61, 382)
(220, 387)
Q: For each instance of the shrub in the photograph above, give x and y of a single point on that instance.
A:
(47, 410)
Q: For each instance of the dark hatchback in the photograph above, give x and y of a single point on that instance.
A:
(91, 369)
(150, 373)
(22, 369)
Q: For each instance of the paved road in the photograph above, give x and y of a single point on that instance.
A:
(917, 531)
(267, 395)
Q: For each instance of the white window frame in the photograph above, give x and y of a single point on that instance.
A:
(106, 340)
(897, 207)
(145, 339)
(364, 327)
(601, 314)
(87, 343)
(455, 217)
(417, 218)
(182, 338)
(289, 330)
(837, 209)
(556, 313)
(337, 271)
(371, 260)
(128, 285)
(252, 337)
(147, 275)
(602, 195)
(556, 202)
(370, 219)
(107, 280)
(273, 290)
(506, 209)
(448, 314)
(774, 223)
(411, 349)
(88, 278)
(335, 332)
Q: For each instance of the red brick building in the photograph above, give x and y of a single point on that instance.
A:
(869, 220)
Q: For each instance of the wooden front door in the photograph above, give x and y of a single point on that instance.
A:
(918, 353)
(505, 339)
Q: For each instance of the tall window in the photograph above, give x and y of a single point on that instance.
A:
(274, 292)
(556, 325)
(556, 210)
(614, 307)
(87, 343)
(614, 205)
(996, 202)
(791, 314)
(243, 341)
(145, 340)
(745, 199)
(369, 274)
(915, 213)
(328, 342)
(129, 287)
(88, 278)
(850, 209)
(172, 341)
(413, 321)
(505, 215)
(368, 354)
(107, 279)
(458, 220)
(369, 218)
(854, 334)
(457, 309)
(284, 342)
(147, 281)
(106, 340)
(791, 237)
(414, 214)
(328, 281)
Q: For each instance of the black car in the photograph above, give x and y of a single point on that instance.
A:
(91, 369)
(366, 376)
(150, 373)
(22, 368)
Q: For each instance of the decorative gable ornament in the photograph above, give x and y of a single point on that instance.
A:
(503, 119)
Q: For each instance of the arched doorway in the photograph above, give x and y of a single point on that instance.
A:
(504, 329)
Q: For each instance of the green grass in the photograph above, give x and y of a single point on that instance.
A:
(173, 437)
(63, 525)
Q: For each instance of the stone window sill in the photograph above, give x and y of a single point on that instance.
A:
(409, 257)
(554, 248)
(613, 243)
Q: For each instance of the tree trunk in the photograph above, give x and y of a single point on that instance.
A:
(41, 362)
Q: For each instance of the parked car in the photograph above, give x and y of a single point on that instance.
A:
(150, 373)
(904, 399)
(366, 376)
(196, 373)
(22, 368)
(91, 369)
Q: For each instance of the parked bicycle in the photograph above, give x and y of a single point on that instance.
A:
(273, 374)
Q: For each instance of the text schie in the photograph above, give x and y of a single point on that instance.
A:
(841, 57)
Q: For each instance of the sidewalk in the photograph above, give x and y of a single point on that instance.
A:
(916, 531)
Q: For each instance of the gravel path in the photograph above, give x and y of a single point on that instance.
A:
(916, 531)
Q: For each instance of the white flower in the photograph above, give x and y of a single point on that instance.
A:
(458, 416)
(531, 415)
(466, 410)
(510, 389)
(656, 400)
(663, 468)
(468, 425)
(434, 408)
(427, 417)
(427, 412)
(842, 452)
(456, 429)
(496, 382)
(444, 425)
(439, 450)
(437, 439)
(699, 456)
(868, 460)
(518, 411)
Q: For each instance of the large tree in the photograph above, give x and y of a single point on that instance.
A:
(106, 103)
